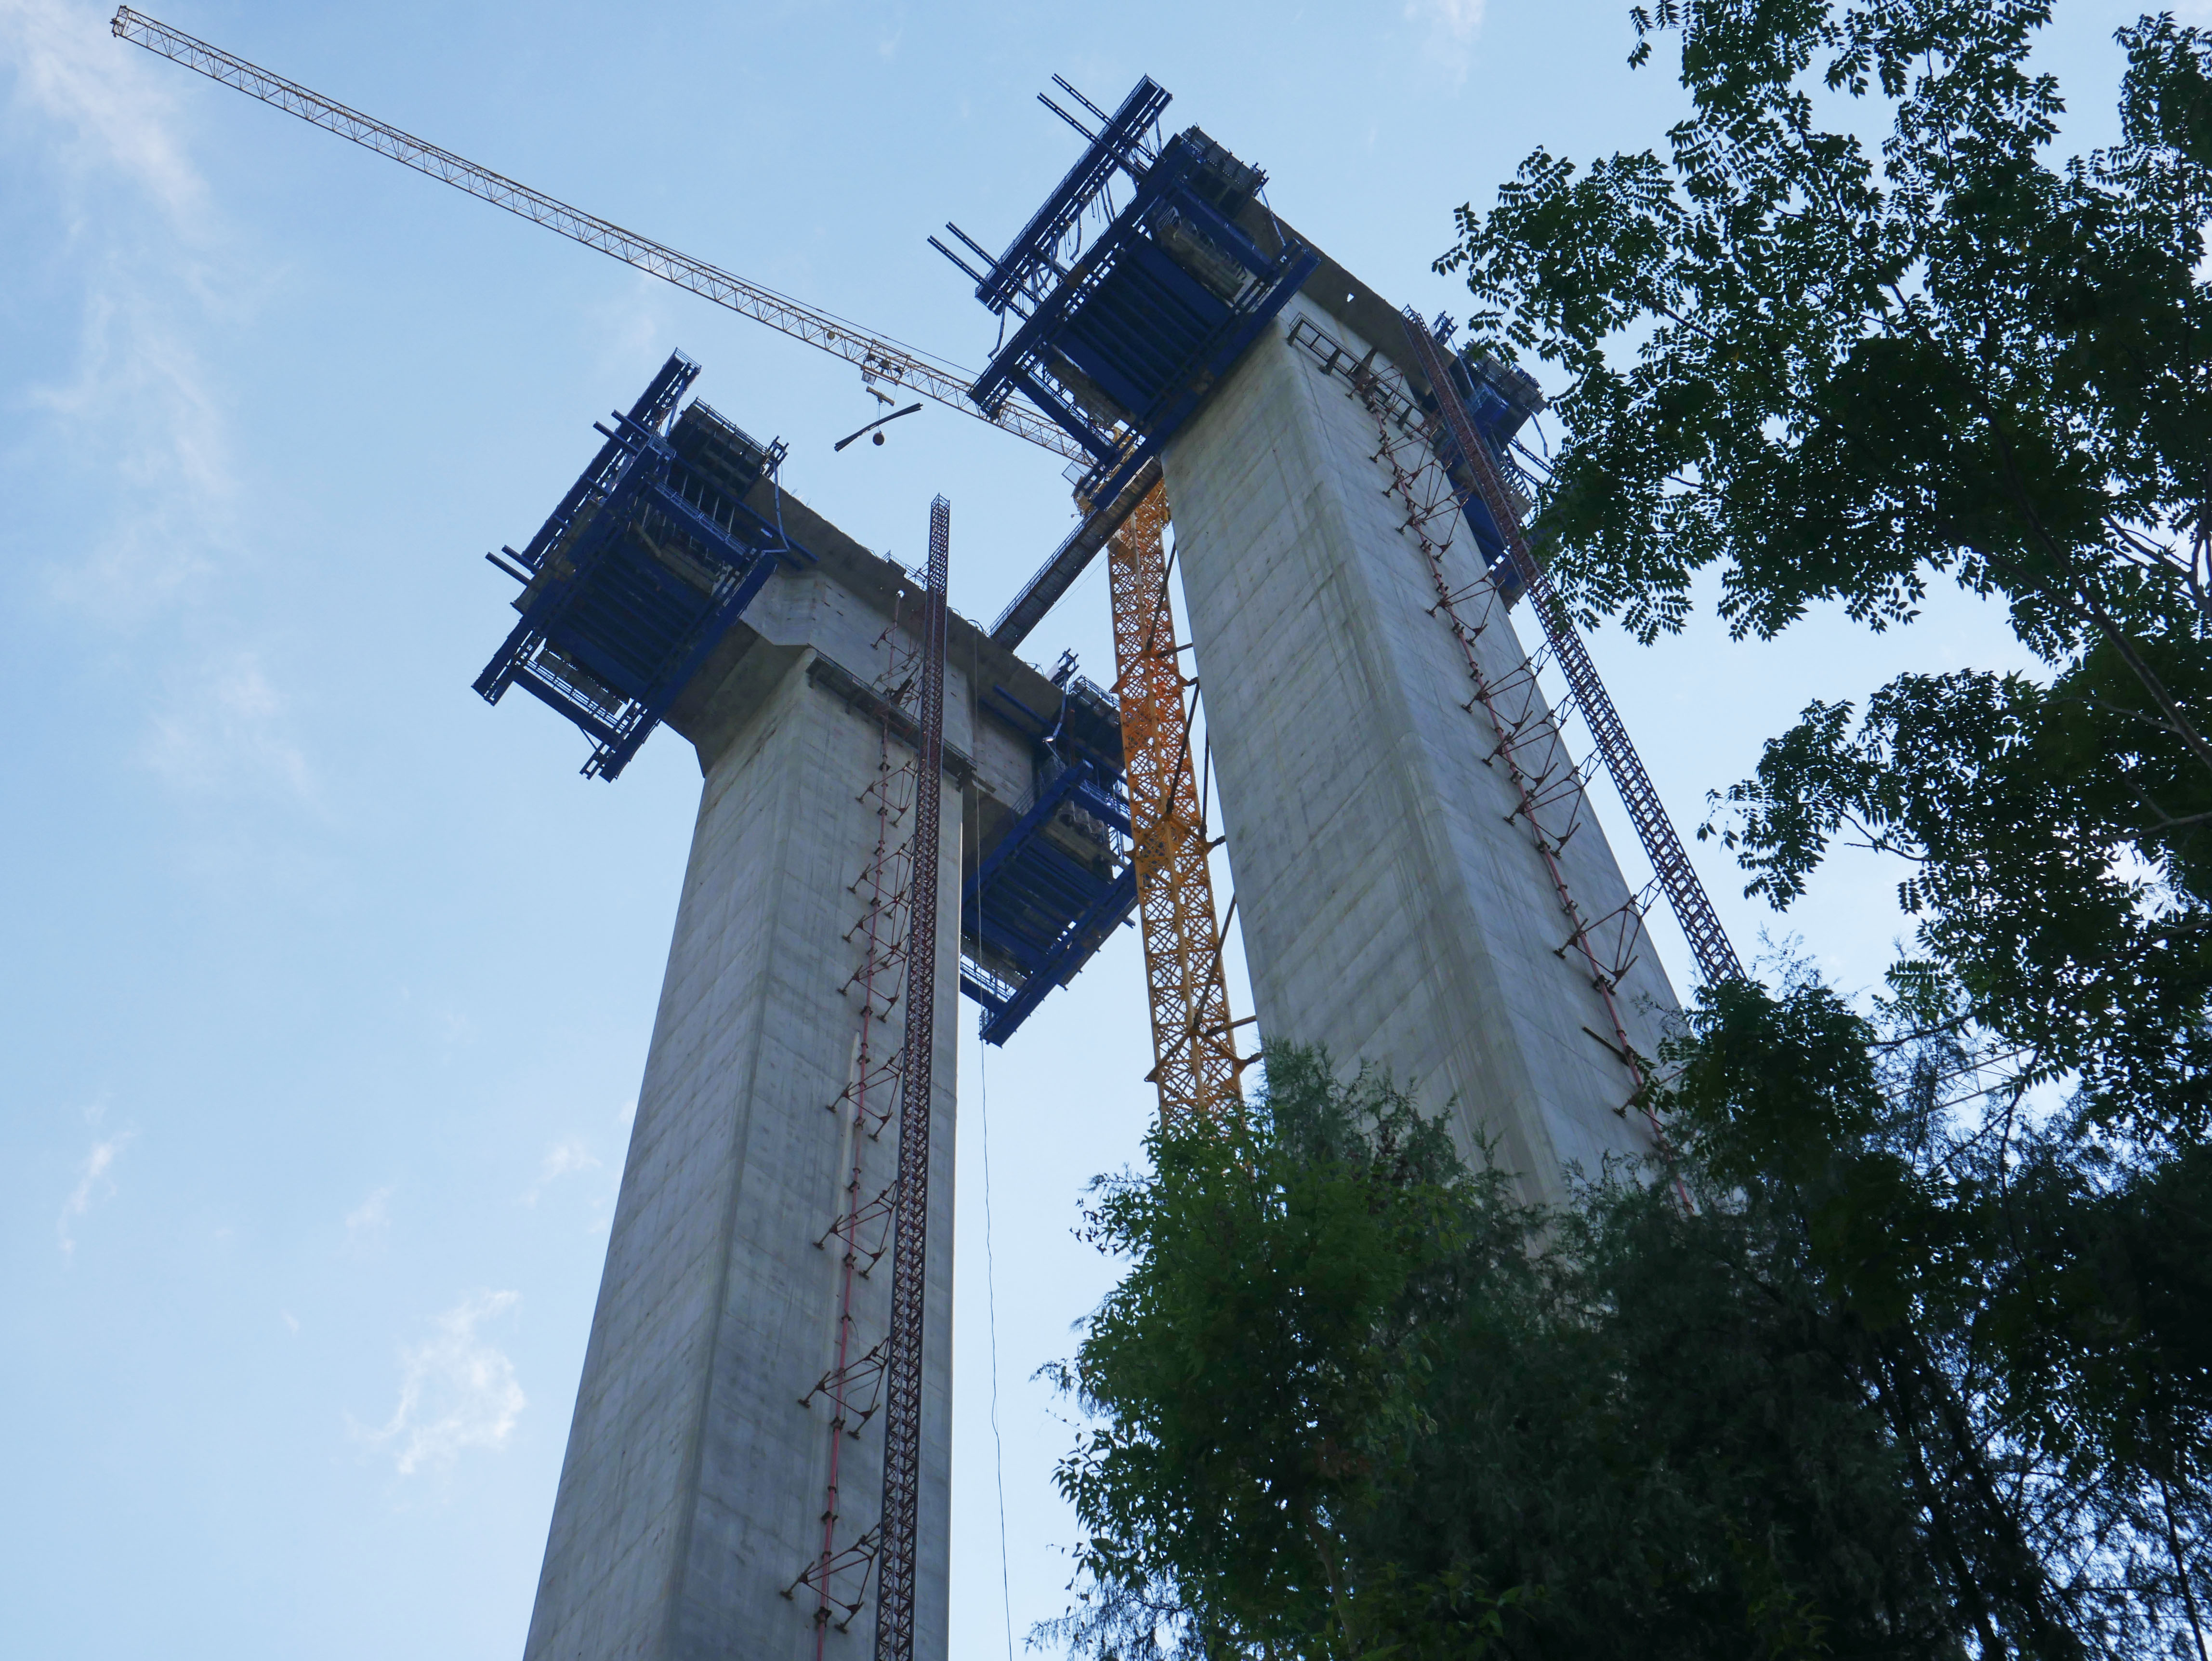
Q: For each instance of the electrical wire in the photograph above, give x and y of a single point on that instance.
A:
(991, 1309)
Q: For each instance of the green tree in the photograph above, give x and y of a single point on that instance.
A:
(1352, 1400)
(1838, 373)
(2022, 1304)
(1835, 375)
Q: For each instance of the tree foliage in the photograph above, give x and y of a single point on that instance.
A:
(1354, 1399)
(1848, 1384)
(2023, 1304)
(1835, 374)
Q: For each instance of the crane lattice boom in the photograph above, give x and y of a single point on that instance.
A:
(1670, 862)
(878, 359)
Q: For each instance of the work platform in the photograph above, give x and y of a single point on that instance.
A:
(636, 576)
(1058, 881)
(633, 592)
(1123, 336)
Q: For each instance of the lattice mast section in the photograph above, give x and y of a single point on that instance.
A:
(860, 1232)
(1193, 1036)
(1662, 846)
(895, 1595)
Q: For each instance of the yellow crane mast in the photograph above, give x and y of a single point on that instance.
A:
(1196, 1065)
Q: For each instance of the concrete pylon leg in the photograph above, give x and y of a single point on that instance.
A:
(693, 1492)
(1395, 907)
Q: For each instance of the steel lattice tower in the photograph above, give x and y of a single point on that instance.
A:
(1197, 1068)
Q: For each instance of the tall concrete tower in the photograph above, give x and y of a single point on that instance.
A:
(720, 1493)
(1421, 880)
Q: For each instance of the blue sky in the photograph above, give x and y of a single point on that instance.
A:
(327, 987)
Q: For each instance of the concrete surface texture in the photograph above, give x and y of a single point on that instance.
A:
(693, 1491)
(1392, 909)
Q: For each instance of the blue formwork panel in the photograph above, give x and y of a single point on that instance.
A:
(1038, 909)
(1048, 891)
(1123, 339)
(1499, 399)
(639, 572)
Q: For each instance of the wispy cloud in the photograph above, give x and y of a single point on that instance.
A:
(226, 728)
(111, 113)
(1449, 28)
(456, 1391)
(636, 320)
(368, 1223)
(562, 1159)
(94, 1185)
(92, 132)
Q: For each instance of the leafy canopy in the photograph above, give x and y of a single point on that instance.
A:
(1354, 1400)
(1834, 373)
(1859, 1379)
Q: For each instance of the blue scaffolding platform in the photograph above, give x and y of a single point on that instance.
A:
(1045, 896)
(649, 558)
(1121, 339)
(1500, 398)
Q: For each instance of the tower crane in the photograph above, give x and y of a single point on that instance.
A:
(1193, 1068)
(879, 358)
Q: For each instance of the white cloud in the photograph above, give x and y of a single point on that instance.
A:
(291, 1321)
(227, 727)
(90, 129)
(456, 1391)
(368, 1223)
(560, 1160)
(93, 1183)
(113, 114)
(635, 324)
(1449, 30)
(564, 1157)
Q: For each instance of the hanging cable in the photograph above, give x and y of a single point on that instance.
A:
(991, 1313)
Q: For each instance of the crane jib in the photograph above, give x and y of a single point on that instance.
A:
(877, 358)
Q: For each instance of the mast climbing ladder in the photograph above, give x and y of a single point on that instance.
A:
(1662, 845)
(897, 933)
(861, 1234)
(895, 1576)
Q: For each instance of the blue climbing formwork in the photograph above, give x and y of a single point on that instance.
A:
(1499, 398)
(642, 568)
(1057, 880)
(1123, 335)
